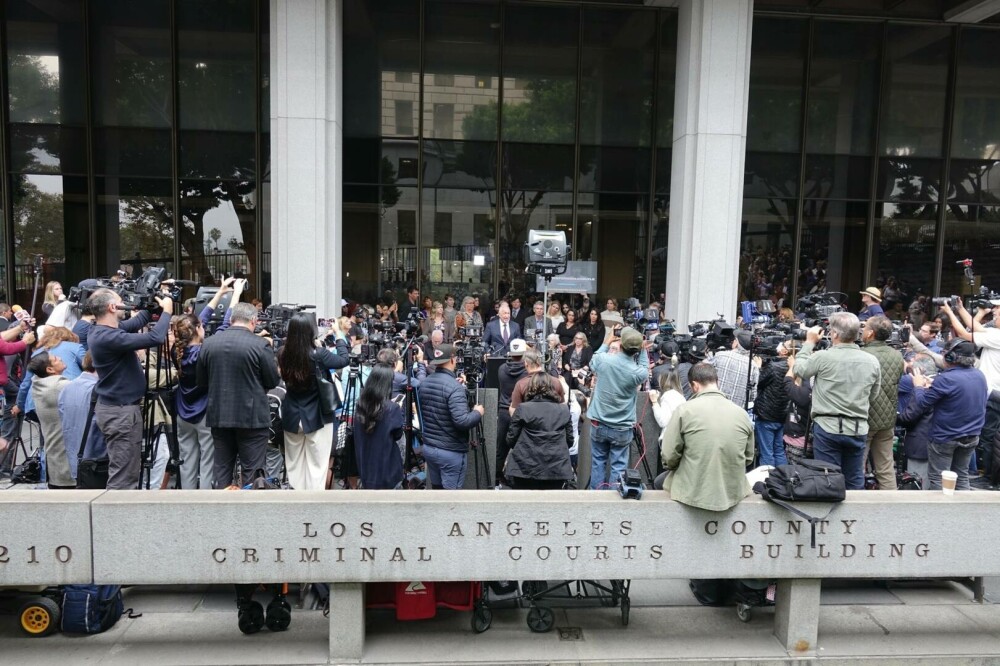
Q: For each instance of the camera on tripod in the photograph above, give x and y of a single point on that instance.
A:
(138, 294)
(469, 354)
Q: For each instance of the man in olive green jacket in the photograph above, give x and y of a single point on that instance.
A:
(884, 402)
(707, 447)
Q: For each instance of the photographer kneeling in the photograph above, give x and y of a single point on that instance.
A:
(121, 382)
(540, 437)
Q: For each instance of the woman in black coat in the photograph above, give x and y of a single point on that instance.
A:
(540, 437)
(568, 328)
(593, 327)
(378, 426)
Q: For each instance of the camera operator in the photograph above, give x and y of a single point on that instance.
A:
(409, 308)
(918, 429)
(446, 420)
(612, 407)
(733, 365)
(508, 376)
(121, 381)
(958, 397)
(771, 409)
(533, 362)
(846, 382)
(10, 349)
(389, 358)
(885, 401)
(928, 336)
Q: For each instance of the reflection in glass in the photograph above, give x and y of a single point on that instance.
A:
(977, 108)
(771, 175)
(612, 232)
(462, 63)
(837, 176)
(659, 229)
(457, 243)
(777, 60)
(46, 75)
(667, 74)
(50, 219)
(521, 211)
(216, 72)
(909, 179)
(766, 252)
(616, 99)
(539, 74)
(904, 247)
(460, 164)
(131, 63)
(538, 167)
(915, 90)
(207, 154)
(132, 152)
(974, 181)
(265, 241)
(39, 148)
(843, 85)
(217, 230)
(135, 224)
(381, 222)
(614, 169)
(971, 232)
(833, 247)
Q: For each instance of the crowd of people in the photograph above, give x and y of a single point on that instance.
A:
(843, 395)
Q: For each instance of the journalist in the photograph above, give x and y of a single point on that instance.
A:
(388, 358)
(121, 382)
(918, 429)
(957, 396)
(49, 383)
(734, 366)
(846, 380)
(238, 369)
(308, 431)
(446, 420)
(612, 407)
(508, 375)
(533, 362)
(378, 426)
(770, 409)
(10, 350)
(884, 402)
(75, 404)
(539, 439)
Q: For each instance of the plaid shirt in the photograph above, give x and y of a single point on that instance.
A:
(732, 369)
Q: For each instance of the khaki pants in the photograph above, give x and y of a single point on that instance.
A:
(879, 443)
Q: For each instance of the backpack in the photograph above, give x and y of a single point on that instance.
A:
(91, 609)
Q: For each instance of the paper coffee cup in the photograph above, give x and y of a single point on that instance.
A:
(948, 481)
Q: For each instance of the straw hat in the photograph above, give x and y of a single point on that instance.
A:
(874, 293)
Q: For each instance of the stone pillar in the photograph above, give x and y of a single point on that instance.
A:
(709, 144)
(306, 153)
(347, 622)
(796, 615)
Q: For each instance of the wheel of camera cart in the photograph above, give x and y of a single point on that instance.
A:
(626, 607)
(744, 612)
(251, 617)
(39, 616)
(540, 619)
(279, 614)
(482, 618)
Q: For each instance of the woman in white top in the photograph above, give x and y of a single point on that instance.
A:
(555, 314)
(668, 398)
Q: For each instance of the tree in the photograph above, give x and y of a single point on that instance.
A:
(215, 235)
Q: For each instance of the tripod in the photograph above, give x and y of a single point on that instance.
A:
(409, 399)
(477, 443)
(355, 382)
(642, 453)
(158, 414)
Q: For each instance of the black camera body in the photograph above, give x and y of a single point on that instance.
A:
(136, 294)
(951, 301)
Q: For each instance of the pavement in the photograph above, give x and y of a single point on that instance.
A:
(895, 622)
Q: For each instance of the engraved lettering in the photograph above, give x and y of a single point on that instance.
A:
(798, 551)
(712, 527)
(769, 524)
(484, 529)
(921, 550)
(368, 554)
(421, 557)
(514, 549)
(4, 558)
(572, 552)
(871, 550)
(340, 554)
(367, 530)
(309, 554)
(514, 529)
(794, 526)
(250, 555)
(64, 554)
(823, 555)
(338, 530)
(738, 527)
(397, 556)
(896, 549)
(219, 552)
(847, 525)
(773, 550)
(277, 555)
(629, 552)
(34, 559)
(625, 528)
(822, 526)
(566, 531)
(655, 552)
(746, 552)
(542, 528)
(543, 552)
(601, 552)
(456, 530)
(848, 553)
(596, 527)
(309, 528)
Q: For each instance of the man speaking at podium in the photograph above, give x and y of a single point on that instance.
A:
(500, 331)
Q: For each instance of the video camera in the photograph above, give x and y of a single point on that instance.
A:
(820, 306)
(136, 294)
(274, 320)
(469, 353)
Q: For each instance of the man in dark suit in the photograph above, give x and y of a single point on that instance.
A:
(517, 312)
(238, 369)
(533, 332)
(499, 333)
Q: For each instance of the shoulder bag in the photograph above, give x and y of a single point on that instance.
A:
(328, 402)
(807, 481)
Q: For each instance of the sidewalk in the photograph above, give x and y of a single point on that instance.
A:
(903, 622)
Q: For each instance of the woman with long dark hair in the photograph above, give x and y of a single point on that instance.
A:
(308, 431)
(378, 425)
(540, 436)
(593, 327)
(568, 328)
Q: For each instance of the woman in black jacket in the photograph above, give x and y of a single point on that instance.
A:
(568, 328)
(540, 436)
(797, 426)
(593, 327)
(308, 431)
(378, 425)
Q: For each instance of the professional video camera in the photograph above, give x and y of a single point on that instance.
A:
(469, 354)
(136, 294)
(756, 312)
(275, 318)
(818, 307)
(900, 335)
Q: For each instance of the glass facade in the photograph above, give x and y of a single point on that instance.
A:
(469, 123)
(871, 148)
(131, 137)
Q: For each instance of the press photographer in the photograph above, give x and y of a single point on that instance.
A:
(885, 401)
(121, 382)
(734, 366)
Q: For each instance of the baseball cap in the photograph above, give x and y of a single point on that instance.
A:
(517, 347)
(745, 339)
(631, 340)
(442, 354)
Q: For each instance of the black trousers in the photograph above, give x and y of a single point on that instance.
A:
(503, 448)
(248, 444)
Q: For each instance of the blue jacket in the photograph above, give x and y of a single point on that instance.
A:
(445, 417)
(918, 432)
(618, 380)
(958, 398)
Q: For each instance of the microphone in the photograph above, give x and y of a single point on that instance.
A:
(186, 283)
(421, 340)
(20, 313)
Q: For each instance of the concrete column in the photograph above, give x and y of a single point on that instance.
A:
(709, 142)
(796, 615)
(347, 622)
(306, 152)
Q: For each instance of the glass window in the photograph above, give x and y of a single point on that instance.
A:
(46, 77)
(614, 169)
(612, 232)
(381, 221)
(381, 64)
(216, 71)
(131, 63)
(843, 85)
(540, 74)
(904, 248)
(217, 230)
(458, 243)
(667, 76)
(659, 230)
(265, 241)
(971, 232)
(48, 149)
(977, 107)
(777, 62)
(771, 175)
(832, 258)
(214, 154)
(534, 166)
(909, 179)
(766, 251)
(50, 219)
(132, 152)
(521, 211)
(460, 164)
(915, 90)
(838, 177)
(974, 181)
(135, 224)
(616, 96)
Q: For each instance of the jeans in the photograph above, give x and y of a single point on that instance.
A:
(445, 468)
(843, 450)
(770, 442)
(608, 443)
(503, 448)
(953, 455)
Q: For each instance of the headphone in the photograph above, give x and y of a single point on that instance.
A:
(951, 354)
